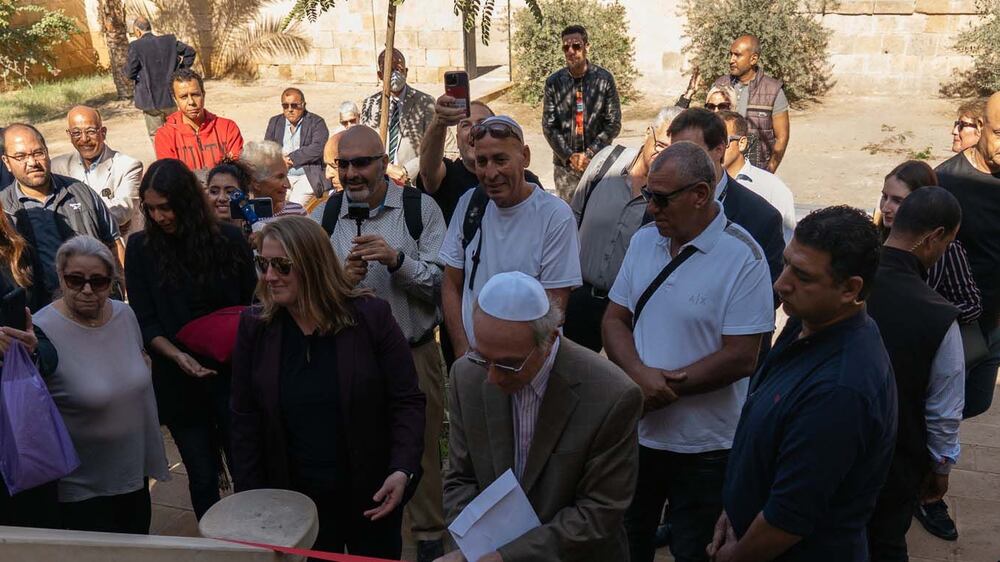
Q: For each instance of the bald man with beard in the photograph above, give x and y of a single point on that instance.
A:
(112, 175)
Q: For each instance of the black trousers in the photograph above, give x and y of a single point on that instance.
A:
(343, 528)
(887, 530)
(124, 513)
(692, 483)
(584, 313)
(37, 507)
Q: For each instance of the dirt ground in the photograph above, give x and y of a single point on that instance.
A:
(825, 163)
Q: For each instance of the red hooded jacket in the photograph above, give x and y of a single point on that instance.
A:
(217, 138)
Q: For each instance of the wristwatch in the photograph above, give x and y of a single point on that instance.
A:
(399, 262)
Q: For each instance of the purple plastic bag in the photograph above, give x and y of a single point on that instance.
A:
(35, 446)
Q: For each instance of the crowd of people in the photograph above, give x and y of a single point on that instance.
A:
(383, 264)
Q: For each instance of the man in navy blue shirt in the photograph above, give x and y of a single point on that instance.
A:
(816, 435)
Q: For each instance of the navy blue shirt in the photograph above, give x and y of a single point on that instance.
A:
(815, 440)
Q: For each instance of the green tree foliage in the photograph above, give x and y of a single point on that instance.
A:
(980, 41)
(793, 41)
(537, 45)
(29, 44)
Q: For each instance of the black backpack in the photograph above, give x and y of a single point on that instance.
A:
(412, 212)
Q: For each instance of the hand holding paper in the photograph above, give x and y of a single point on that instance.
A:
(498, 515)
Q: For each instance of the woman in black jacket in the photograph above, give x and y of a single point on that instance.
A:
(185, 265)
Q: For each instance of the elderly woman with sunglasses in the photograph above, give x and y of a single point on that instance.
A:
(106, 400)
(325, 398)
(184, 266)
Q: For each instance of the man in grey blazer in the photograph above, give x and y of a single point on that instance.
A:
(302, 136)
(113, 175)
(560, 416)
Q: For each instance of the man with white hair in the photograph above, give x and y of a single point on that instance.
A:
(609, 208)
(349, 116)
(270, 179)
(561, 417)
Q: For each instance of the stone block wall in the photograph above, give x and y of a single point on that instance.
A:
(85, 52)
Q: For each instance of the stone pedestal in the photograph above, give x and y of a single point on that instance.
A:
(278, 517)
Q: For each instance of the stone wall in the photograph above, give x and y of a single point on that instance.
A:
(85, 52)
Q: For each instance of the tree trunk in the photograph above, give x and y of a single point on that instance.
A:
(111, 14)
(390, 42)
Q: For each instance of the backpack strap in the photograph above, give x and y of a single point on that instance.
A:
(474, 215)
(660, 278)
(413, 212)
(616, 152)
(331, 212)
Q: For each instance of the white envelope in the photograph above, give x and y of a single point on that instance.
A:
(498, 515)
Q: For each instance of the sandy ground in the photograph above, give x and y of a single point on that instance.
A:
(825, 163)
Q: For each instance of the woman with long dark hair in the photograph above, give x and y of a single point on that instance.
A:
(185, 266)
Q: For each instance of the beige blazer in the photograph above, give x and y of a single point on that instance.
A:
(115, 179)
(582, 465)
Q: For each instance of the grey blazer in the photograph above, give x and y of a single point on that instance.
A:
(582, 465)
(309, 156)
(417, 113)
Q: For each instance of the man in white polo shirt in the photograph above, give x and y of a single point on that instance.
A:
(519, 228)
(689, 342)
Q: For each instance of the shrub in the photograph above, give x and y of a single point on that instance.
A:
(980, 42)
(793, 42)
(537, 45)
(27, 45)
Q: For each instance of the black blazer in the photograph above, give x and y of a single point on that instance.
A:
(313, 134)
(759, 218)
(162, 310)
(152, 60)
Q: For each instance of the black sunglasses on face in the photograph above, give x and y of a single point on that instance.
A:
(496, 130)
(724, 106)
(359, 162)
(963, 124)
(662, 200)
(283, 265)
(291, 106)
(77, 282)
(574, 46)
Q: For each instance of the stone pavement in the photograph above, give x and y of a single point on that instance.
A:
(974, 500)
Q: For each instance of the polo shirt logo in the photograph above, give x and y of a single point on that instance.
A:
(75, 206)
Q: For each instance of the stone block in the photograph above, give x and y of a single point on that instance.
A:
(285, 71)
(358, 56)
(330, 56)
(268, 71)
(354, 73)
(987, 459)
(441, 39)
(893, 7)
(866, 44)
(430, 74)
(438, 57)
(415, 56)
(324, 73)
(894, 44)
(407, 39)
(351, 40)
(941, 24)
(976, 485)
(922, 44)
(304, 72)
(855, 7)
(847, 64)
(945, 6)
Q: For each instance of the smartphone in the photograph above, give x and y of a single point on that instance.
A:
(12, 309)
(263, 207)
(456, 85)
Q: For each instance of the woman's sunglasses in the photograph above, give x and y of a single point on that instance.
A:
(77, 282)
(283, 265)
(724, 106)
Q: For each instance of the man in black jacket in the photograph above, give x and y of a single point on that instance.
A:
(582, 113)
(924, 343)
(302, 136)
(152, 60)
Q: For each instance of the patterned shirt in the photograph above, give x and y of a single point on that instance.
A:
(414, 289)
(525, 404)
(952, 278)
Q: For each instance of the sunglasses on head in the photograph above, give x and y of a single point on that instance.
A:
(724, 106)
(359, 162)
(574, 46)
(77, 282)
(291, 106)
(283, 265)
(496, 130)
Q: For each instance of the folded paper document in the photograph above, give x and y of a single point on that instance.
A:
(498, 515)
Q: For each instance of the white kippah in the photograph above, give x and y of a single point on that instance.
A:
(514, 296)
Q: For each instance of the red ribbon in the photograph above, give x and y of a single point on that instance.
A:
(309, 553)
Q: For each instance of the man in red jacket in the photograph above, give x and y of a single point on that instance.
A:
(193, 135)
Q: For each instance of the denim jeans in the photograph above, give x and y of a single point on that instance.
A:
(692, 485)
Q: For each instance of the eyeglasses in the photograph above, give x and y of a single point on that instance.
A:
(662, 200)
(76, 134)
(574, 46)
(724, 106)
(39, 154)
(291, 106)
(77, 282)
(963, 125)
(733, 138)
(497, 130)
(660, 145)
(283, 265)
(359, 162)
(479, 360)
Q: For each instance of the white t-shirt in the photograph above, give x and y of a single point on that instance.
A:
(536, 237)
(772, 189)
(722, 289)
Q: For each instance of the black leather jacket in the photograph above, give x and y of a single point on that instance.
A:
(602, 117)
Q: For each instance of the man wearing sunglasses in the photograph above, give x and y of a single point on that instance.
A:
(112, 175)
(302, 136)
(561, 417)
(581, 113)
(688, 311)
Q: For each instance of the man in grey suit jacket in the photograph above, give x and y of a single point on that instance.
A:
(302, 136)
(113, 175)
(560, 416)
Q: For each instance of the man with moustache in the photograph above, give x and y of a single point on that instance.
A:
(193, 135)
(302, 135)
(112, 175)
(47, 209)
(151, 61)
(402, 267)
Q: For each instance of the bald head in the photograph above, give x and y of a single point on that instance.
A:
(360, 141)
(750, 42)
(16, 131)
(83, 114)
(744, 54)
(331, 152)
(87, 133)
(686, 161)
(989, 139)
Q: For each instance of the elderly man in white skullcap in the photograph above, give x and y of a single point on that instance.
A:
(560, 416)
